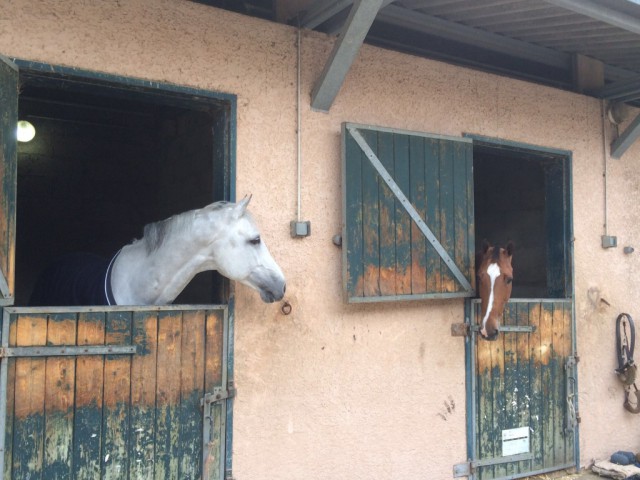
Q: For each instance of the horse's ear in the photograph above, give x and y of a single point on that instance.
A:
(485, 246)
(241, 206)
(510, 248)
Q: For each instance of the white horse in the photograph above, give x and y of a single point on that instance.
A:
(156, 268)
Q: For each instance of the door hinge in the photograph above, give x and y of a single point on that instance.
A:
(462, 469)
(460, 329)
(466, 469)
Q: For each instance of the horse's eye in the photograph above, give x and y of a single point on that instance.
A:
(508, 280)
(255, 241)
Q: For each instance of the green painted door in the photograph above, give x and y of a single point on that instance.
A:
(524, 418)
(408, 230)
(8, 175)
(156, 413)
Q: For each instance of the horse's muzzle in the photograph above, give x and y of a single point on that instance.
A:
(269, 296)
(492, 336)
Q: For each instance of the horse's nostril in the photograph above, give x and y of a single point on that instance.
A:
(284, 288)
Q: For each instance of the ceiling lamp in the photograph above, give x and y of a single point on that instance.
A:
(26, 131)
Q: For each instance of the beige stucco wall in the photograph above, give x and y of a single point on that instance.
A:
(356, 392)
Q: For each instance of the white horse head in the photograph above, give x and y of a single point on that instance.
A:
(155, 269)
(239, 252)
(221, 236)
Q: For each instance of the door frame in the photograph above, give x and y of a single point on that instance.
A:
(470, 360)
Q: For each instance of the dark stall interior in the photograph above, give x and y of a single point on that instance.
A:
(519, 196)
(105, 161)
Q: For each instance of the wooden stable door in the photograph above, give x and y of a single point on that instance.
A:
(115, 394)
(523, 388)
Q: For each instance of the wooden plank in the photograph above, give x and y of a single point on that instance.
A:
(213, 378)
(484, 401)
(370, 220)
(568, 349)
(192, 365)
(499, 406)
(511, 408)
(8, 177)
(143, 395)
(559, 383)
(28, 440)
(117, 384)
(548, 390)
(87, 440)
(537, 394)
(447, 216)
(386, 202)
(419, 201)
(432, 187)
(524, 367)
(11, 376)
(460, 213)
(403, 222)
(471, 228)
(59, 400)
(353, 247)
(168, 395)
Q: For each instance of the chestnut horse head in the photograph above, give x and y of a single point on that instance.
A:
(495, 277)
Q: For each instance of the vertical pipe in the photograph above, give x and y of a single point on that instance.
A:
(604, 157)
(298, 127)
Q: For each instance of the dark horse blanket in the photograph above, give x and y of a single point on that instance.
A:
(75, 279)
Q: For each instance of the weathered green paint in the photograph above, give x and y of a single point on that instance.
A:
(556, 205)
(353, 206)
(133, 417)
(521, 381)
(433, 219)
(418, 250)
(386, 257)
(402, 220)
(8, 176)
(87, 442)
(59, 400)
(88, 408)
(370, 222)
(190, 419)
(387, 227)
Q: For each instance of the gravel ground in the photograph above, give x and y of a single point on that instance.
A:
(583, 475)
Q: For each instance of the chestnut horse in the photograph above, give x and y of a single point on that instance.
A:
(495, 277)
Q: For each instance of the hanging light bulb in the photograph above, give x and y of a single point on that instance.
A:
(26, 131)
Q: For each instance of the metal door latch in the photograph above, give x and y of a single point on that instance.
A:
(218, 395)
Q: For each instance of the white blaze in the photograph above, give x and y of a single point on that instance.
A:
(494, 272)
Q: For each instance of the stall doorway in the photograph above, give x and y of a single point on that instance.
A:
(108, 159)
(119, 391)
(521, 388)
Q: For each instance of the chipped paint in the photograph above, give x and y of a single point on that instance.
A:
(142, 416)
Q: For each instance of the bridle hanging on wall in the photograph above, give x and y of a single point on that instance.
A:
(627, 369)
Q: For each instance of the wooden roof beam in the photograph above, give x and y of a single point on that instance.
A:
(354, 31)
(626, 139)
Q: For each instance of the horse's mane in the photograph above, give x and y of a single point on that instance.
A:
(155, 234)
